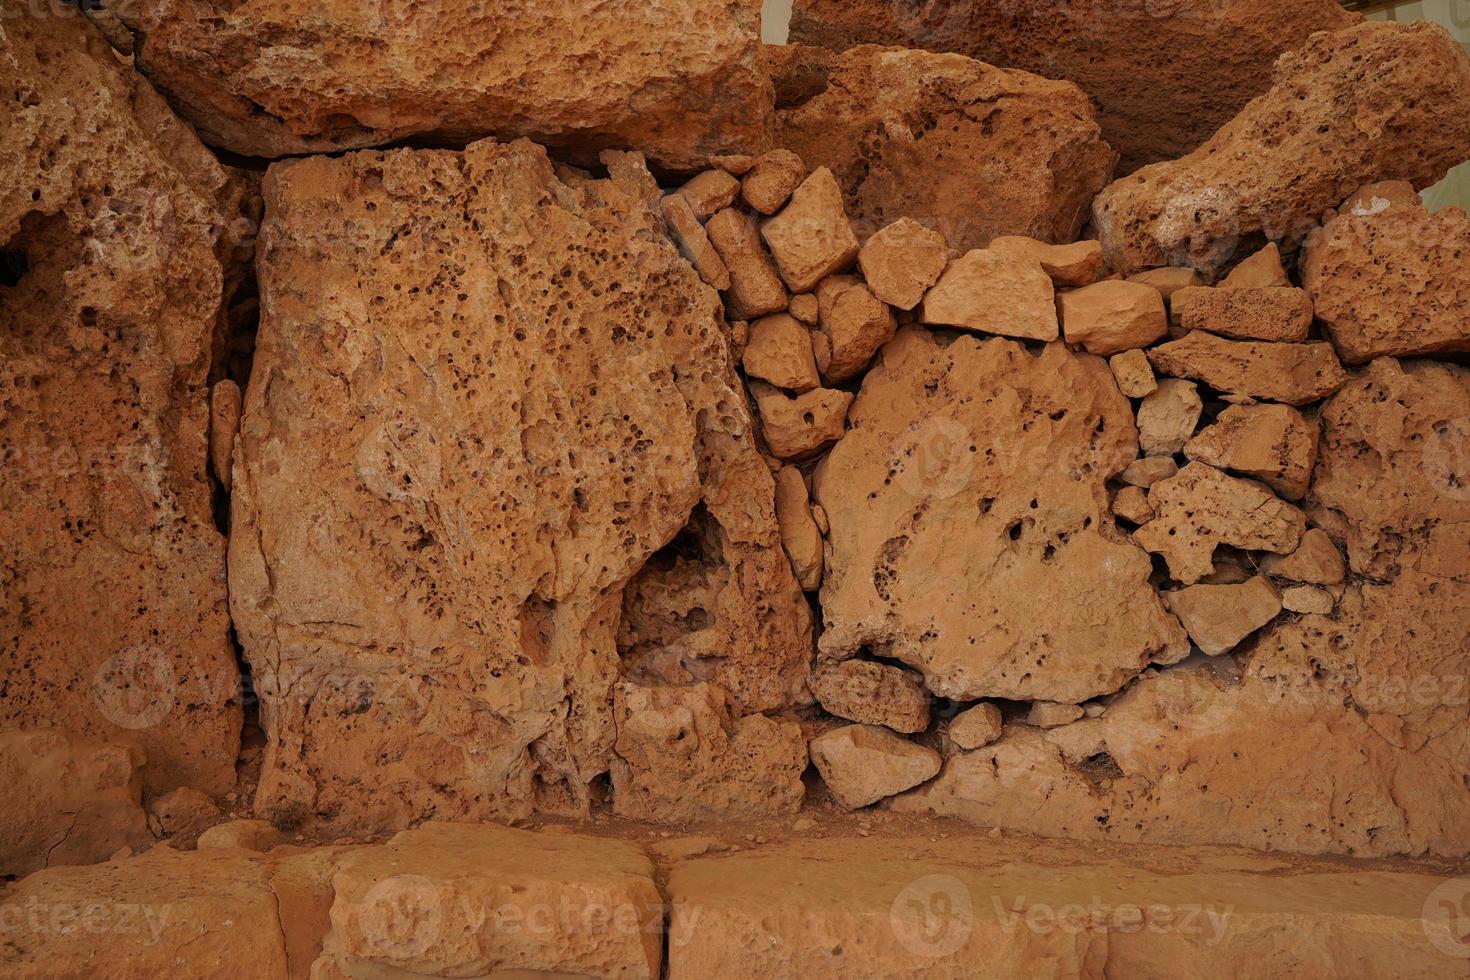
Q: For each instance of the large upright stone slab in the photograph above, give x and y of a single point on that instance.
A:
(967, 150)
(113, 224)
(493, 440)
(970, 528)
(1380, 101)
(266, 78)
(1164, 76)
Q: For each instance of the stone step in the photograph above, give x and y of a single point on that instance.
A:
(465, 900)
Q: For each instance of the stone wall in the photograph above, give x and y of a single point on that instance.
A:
(515, 418)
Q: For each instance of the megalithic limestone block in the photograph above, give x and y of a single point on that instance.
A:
(493, 443)
(968, 496)
(681, 82)
(1000, 152)
(1380, 101)
(115, 227)
(1164, 76)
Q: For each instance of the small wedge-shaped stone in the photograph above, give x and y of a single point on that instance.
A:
(1271, 443)
(856, 323)
(811, 237)
(693, 241)
(1261, 269)
(1168, 416)
(1108, 318)
(755, 286)
(862, 764)
(795, 428)
(1218, 617)
(1072, 265)
(709, 192)
(1296, 374)
(771, 179)
(1281, 313)
(1201, 508)
(872, 694)
(800, 535)
(780, 351)
(1316, 561)
(1134, 374)
(994, 292)
(975, 727)
(900, 262)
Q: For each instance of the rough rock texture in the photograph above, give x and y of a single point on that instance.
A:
(995, 292)
(1315, 560)
(866, 909)
(1219, 617)
(1202, 508)
(1275, 444)
(1336, 708)
(975, 727)
(483, 403)
(872, 694)
(755, 286)
(258, 78)
(974, 472)
(771, 179)
(1135, 375)
(780, 351)
(1167, 417)
(1393, 477)
(856, 323)
(249, 835)
(115, 223)
(862, 764)
(1279, 313)
(683, 755)
(167, 913)
(1392, 283)
(1292, 373)
(796, 428)
(1378, 101)
(1164, 76)
(800, 535)
(449, 900)
(903, 260)
(1034, 156)
(1260, 270)
(811, 237)
(1131, 504)
(1108, 318)
(67, 801)
(1074, 264)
